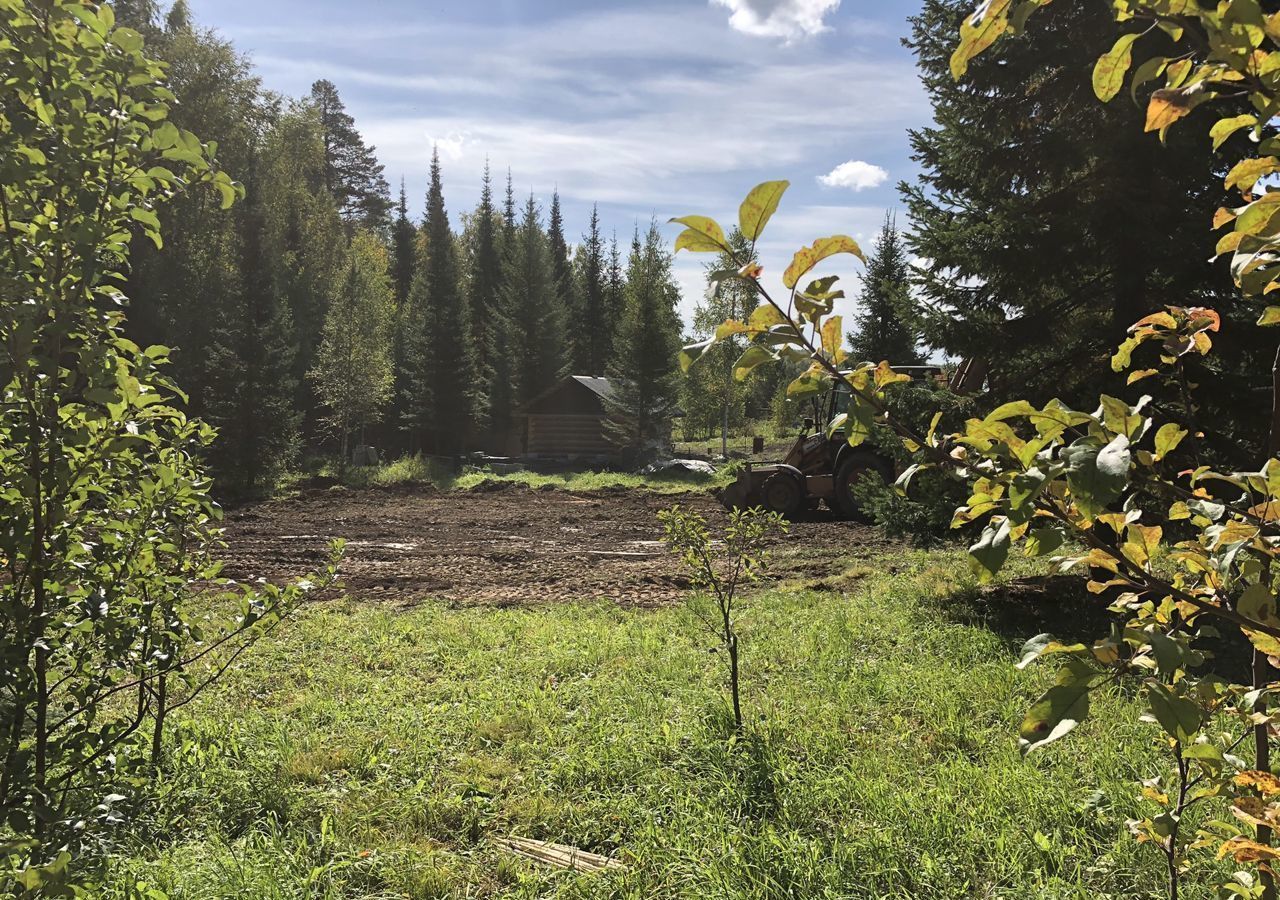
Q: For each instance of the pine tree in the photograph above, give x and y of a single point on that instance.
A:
(528, 296)
(484, 310)
(886, 322)
(444, 363)
(643, 372)
(403, 236)
(591, 323)
(352, 173)
(353, 372)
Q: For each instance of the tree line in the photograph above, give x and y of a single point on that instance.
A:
(319, 311)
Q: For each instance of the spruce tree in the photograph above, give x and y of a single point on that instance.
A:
(484, 310)
(509, 210)
(443, 409)
(403, 236)
(352, 173)
(885, 325)
(562, 280)
(529, 298)
(643, 371)
(614, 291)
(591, 325)
(252, 391)
(1034, 206)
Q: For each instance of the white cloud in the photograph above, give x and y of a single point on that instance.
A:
(786, 19)
(452, 146)
(855, 175)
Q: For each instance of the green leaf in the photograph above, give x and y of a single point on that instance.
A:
(804, 260)
(1110, 69)
(753, 356)
(1270, 316)
(1043, 541)
(701, 235)
(1150, 70)
(759, 207)
(809, 383)
(694, 352)
(1043, 645)
(165, 136)
(1097, 477)
(1058, 711)
(988, 555)
(1178, 716)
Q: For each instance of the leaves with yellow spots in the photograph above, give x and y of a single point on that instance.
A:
(759, 207)
(1110, 69)
(822, 248)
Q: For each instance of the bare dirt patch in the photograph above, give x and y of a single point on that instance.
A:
(504, 544)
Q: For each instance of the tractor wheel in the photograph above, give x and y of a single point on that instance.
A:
(848, 473)
(782, 493)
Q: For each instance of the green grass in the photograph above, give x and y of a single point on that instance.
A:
(377, 752)
(408, 470)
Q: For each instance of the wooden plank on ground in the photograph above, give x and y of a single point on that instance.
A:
(559, 855)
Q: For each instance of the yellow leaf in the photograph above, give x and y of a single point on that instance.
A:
(1110, 69)
(1245, 174)
(1243, 850)
(978, 32)
(884, 375)
(729, 328)
(706, 228)
(806, 259)
(1222, 217)
(696, 242)
(764, 317)
(1270, 316)
(1224, 128)
(759, 207)
(831, 337)
(1169, 105)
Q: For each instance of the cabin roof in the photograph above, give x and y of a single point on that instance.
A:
(591, 389)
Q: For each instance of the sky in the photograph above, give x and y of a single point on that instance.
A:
(650, 109)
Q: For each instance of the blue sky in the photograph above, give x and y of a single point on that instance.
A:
(648, 108)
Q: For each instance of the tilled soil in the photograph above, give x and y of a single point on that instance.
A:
(503, 544)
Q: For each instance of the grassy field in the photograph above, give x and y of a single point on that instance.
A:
(378, 752)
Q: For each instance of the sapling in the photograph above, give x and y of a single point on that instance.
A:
(719, 572)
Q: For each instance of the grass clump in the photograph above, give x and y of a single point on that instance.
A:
(374, 752)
